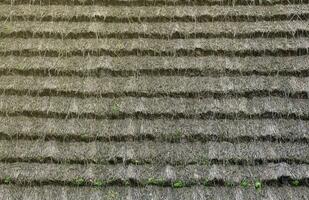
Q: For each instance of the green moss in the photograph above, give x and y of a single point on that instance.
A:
(7, 180)
(79, 181)
(295, 183)
(155, 181)
(244, 184)
(178, 184)
(258, 185)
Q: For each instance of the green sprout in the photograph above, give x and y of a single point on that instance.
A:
(115, 109)
(7, 180)
(79, 181)
(295, 183)
(135, 162)
(126, 182)
(178, 184)
(206, 183)
(244, 184)
(98, 183)
(229, 184)
(258, 185)
(7, 28)
(177, 135)
(155, 181)
(174, 136)
(204, 161)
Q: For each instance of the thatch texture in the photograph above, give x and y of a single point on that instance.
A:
(153, 152)
(151, 192)
(154, 99)
(157, 86)
(157, 47)
(154, 129)
(142, 174)
(136, 65)
(155, 30)
(152, 13)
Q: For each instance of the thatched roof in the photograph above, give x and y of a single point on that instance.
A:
(154, 99)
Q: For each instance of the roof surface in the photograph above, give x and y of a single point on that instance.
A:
(154, 99)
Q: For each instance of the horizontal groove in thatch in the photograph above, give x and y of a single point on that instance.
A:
(160, 130)
(199, 19)
(214, 66)
(142, 175)
(101, 72)
(135, 35)
(137, 162)
(173, 138)
(72, 30)
(15, 192)
(177, 87)
(175, 53)
(254, 93)
(139, 115)
(154, 14)
(279, 182)
(147, 152)
(154, 2)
